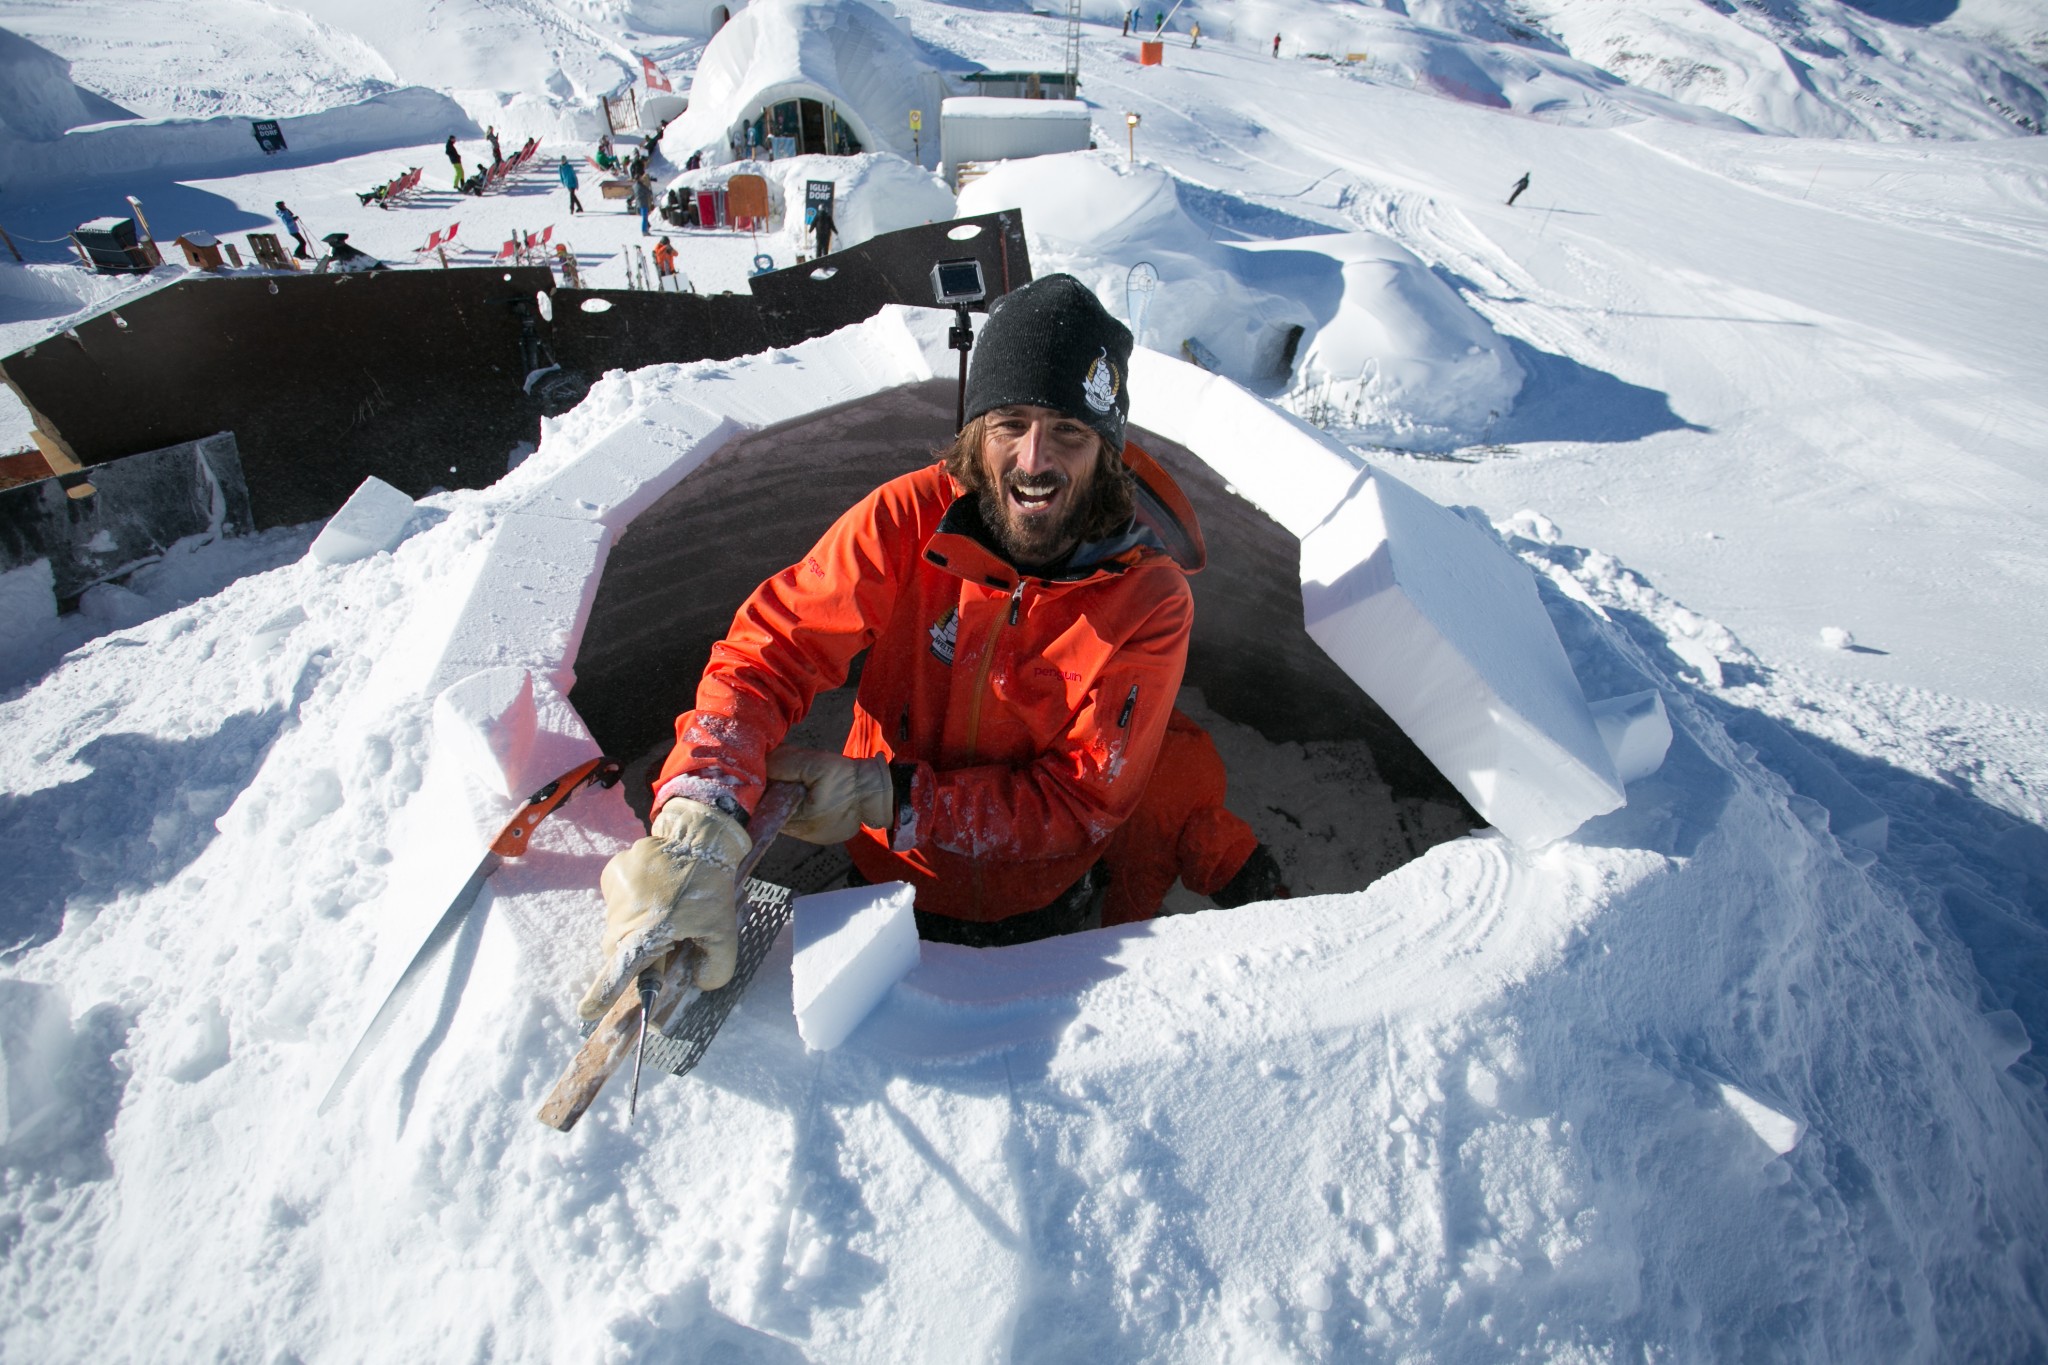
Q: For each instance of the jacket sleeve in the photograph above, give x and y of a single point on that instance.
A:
(795, 637)
(1073, 796)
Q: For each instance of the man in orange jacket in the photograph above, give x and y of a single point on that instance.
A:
(1026, 613)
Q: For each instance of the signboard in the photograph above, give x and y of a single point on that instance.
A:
(269, 136)
(817, 196)
(917, 120)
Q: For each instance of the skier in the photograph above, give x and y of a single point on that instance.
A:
(1195, 34)
(454, 159)
(1158, 22)
(1516, 192)
(1276, 45)
(298, 234)
(1016, 557)
(567, 175)
(1127, 23)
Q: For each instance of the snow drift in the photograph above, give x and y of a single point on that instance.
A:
(1350, 328)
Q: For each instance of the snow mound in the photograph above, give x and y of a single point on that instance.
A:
(861, 63)
(38, 100)
(1348, 329)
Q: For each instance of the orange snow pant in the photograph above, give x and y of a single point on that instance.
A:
(1179, 830)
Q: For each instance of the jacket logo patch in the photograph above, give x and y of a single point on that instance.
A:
(945, 635)
(1065, 675)
(1099, 388)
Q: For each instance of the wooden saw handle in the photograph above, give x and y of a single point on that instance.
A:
(612, 1040)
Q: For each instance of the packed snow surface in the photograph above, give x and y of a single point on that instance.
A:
(1743, 1069)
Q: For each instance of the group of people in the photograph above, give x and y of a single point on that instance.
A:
(474, 183)
(1015, 753)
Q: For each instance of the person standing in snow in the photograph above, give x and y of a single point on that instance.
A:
(1127, 23)
(567, 175)
(454, 159)
(497, 155)
(298, 235)
(1276, 45)
(643, 199)
(1516, 192)
(1024, 611)
(1195, 34)
(822, 226)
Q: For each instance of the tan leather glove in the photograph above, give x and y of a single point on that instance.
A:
(840, 794)
(677, 886)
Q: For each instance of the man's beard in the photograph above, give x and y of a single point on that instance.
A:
(1040, 541)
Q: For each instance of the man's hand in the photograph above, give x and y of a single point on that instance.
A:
(840, 794)
(677, 886)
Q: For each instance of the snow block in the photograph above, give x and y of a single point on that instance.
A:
(529, 603)
(1636, 732)
(1779, 1132)
(851, 947)
(885, 352)
(486, 723)
(374, 518)
(28, 598)
(625, 472)
(1443, 628)
(509, 732)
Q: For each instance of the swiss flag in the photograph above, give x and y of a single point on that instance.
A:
(655, 80)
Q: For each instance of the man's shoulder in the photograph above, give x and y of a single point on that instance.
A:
(926, 489)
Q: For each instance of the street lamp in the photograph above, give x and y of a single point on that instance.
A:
(1131, 122)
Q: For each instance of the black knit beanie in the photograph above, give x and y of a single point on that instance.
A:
(1053, 345)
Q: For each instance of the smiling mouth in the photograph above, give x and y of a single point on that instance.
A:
(1035, 494)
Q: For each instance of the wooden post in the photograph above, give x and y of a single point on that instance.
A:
(10, 244)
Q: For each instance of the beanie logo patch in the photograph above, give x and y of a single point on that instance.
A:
(1098, 390)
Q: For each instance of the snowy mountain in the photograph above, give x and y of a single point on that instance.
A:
(1747, 382)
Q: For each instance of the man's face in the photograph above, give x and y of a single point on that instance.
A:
(1038, 466)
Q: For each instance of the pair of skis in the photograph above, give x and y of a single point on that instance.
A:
(648, 1017)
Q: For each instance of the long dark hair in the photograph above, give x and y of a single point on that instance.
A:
(1109, 497)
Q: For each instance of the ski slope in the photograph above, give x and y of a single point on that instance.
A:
(1741, 1070)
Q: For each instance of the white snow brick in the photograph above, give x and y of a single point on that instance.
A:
(1272, 459)
(374, 518)
(1636, 732)
(631, 467)
(1780, 1132)
(530, 601)
(28, 598)
(1443, 628)
(851, 947)
(885, 352)
(486, 723)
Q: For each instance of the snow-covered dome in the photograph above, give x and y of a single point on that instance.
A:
(859, 64)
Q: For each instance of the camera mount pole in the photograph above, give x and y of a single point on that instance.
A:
(960, 336)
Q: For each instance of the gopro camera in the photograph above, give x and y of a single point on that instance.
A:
(958, 283)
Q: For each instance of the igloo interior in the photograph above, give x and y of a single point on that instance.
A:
(1314, 761)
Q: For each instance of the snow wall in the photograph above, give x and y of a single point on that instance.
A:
(1424, 612)
(226, 145)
